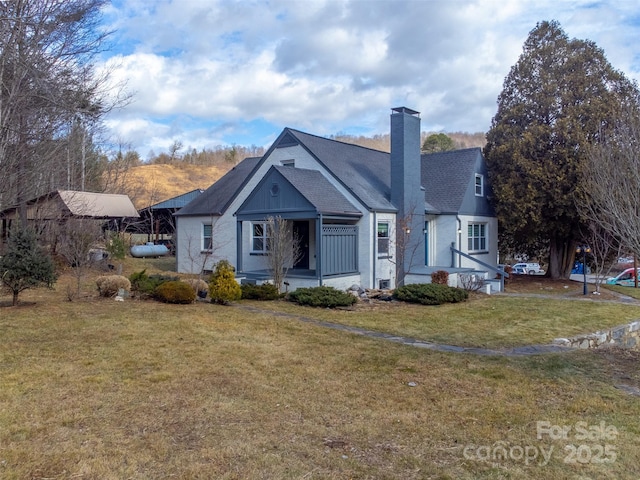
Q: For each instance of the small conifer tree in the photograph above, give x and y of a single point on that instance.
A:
(25, 264)
(223, 287)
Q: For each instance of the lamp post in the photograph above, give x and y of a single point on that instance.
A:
(584, 249)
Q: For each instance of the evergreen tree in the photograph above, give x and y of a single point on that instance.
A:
(559, 98)
(25, 264)
(223, 287)
(438, 142)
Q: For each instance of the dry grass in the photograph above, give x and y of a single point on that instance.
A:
(150, 184)
(98, 389)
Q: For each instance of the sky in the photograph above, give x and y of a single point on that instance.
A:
(207, 73)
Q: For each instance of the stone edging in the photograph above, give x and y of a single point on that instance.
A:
(624, 336)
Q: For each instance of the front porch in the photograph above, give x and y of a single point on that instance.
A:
(321, 223)
(300, 278)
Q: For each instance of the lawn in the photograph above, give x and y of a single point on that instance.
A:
(99, 389)
(483, 321)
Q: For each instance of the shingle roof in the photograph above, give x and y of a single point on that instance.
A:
(318, 191)
(446, 177)
(217, 198)
(364, 171)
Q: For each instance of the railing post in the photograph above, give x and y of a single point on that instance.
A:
(453, 254)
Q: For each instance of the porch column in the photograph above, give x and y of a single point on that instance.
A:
(319, 248)
(238, 245)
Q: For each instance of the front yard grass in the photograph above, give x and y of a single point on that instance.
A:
(628, 291)
(99, 389)
(482, 321)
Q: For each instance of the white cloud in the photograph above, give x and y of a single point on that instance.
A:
(331, 66)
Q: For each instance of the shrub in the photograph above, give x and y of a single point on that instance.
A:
(147, 284)
(109, 285)
(324, 296)
(223, 287)
(430, 293)
(508, 269)
(266, 291)
(199, 286)
(175, 292)
(471, 282)
(25, 264)
(116, 247)
(440, 277)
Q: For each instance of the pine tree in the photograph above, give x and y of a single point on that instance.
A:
(25, 264)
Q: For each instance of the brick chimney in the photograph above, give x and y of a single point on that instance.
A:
(406, 192)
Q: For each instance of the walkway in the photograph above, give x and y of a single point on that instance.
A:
(414, 342)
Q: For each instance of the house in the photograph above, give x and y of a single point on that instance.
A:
(364, 217)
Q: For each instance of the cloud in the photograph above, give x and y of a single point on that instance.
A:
(331, 66)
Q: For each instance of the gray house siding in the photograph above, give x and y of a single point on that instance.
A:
(276, 196)
(473, 204)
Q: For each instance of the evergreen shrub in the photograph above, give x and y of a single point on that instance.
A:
(266, 291)
(147, 284)
(430, 294)
(223, 287)
(175, 292)
(324, 296)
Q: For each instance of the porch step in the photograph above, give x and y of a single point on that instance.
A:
(491, 285)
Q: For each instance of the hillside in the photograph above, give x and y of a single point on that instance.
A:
(150, 184)
(155, 182)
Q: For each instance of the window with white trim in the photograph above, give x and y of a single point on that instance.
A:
(259, 238)
(477, 237)
(479, 185)
(207, 237)
(383, 238)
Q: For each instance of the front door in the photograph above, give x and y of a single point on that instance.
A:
(301, 232)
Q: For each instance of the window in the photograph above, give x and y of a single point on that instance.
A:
(207, 237)
(259, 238)
(288, 163)
(479, 185)
(383, 238)
(477, 237)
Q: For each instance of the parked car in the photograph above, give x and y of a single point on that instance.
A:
(579, 269)
(528, 268)
(626, 278)
(519, 271)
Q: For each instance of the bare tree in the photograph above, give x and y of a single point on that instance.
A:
(47, 84)
(284, 248)
(408, 242)
(613, 172)
(77, 238)
(605, 248)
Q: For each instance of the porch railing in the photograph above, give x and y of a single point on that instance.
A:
(498, 270)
